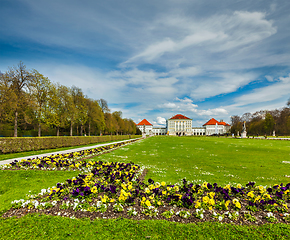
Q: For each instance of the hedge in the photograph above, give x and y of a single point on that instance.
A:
(25, 144)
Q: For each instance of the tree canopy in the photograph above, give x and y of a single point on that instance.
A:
(32, 105)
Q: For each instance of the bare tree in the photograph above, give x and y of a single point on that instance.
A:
(104, 105)
(19, 81)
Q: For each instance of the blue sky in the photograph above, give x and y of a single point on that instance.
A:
(153, 59)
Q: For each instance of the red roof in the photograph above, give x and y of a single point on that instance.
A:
(179, 116)
(144, 122)
(214, 122)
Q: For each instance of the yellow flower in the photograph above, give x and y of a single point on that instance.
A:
(147, 190)
(238, 205)
(211, 202)
(239, 186)
(227, 187)
(157, 184)
(164, 192)
(257, 199)
(261, 189)
(159, 203)
(205, 199)
(168, 188)
(148, 203)
(151, 186)
(204, 185)
(151, 197)
(129, 187)
(211, 194)
(94, 189)
(176, 188)
(227, 203)
(197, 204)
(285, 206)
(251, 194)
(235, 201)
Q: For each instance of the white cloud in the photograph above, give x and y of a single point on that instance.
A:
(214, 34)
(180, 105)
(185, 72)
(213, 112)
(269, 78)
(266, 94)
(161, 120)
(223, 83)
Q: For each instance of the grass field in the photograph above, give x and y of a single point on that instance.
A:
(205, 159)
(169, 159)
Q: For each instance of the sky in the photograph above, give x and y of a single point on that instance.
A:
(154, 59)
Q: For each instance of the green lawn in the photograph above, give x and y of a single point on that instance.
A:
(210, 159)
(16, 184)
(220, 160)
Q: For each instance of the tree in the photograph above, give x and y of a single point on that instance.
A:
(8, 99)
(104, 105)
(79, 101)
(95, 116)
(19, 80)
(119, 122)
(269, 123)
(41, 94)
(109, 120)
(236, 123)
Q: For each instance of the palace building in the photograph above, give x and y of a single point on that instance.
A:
(182, 126)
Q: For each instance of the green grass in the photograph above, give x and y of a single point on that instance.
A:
(30, 153)
(47, 227)
(16, 184)
(200, 159)
(169, 159)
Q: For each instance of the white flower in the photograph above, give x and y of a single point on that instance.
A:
(201, 216)
(270, 214)
(220, 218)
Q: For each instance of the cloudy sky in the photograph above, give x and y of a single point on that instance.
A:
(153, 59)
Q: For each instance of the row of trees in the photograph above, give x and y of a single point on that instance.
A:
(30, 101)
(264, 122)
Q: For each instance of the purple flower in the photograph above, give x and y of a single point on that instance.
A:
(113, 189)
(150, 181)
(279, 194)
(251, 203)
(251, 184)
(271, 202)
(76, 192)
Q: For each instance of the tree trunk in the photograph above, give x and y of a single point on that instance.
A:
(81, 129)
(15, 123)
(89, 128)
(39, 130)
(77, 130)
(57, 131)
(70, 133)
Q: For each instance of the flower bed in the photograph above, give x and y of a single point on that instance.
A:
(69, 161)
(112, 189)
